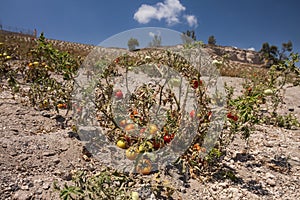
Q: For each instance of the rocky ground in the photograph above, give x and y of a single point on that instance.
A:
(37, 148)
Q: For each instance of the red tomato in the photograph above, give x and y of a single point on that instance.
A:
(192, 114)
(167, 139)
(229, 115)
(157, 144)
(119, 94)
(195, 84)
(235, 118)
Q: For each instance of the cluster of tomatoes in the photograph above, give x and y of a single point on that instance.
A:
(150, 138)
(137, 139)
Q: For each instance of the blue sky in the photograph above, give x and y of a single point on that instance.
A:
(240, 23)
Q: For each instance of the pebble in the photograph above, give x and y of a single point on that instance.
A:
(38, 191)
(46, 186)
(56, 161)
(269, 175)
(49, 153)
(38, 182)
(223, 184)
(271, 182)
(24, 187)
(46, 114)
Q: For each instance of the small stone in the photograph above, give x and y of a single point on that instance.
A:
(223, 184)
(38, 191)
(46, 114)
(183, 189)
(269, 175)
(49, 153)
(7, 189)
(46, 186)
(234, 193)
(283, 145)
(231, 166)
(269, 144)
(271, 182)
(295, 159)
(15, 130)
(38, 182)
(56, 161)
(64, 148)
(24, 187)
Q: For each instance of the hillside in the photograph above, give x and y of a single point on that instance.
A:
(24, 42)
(40, 146)
(236, 58)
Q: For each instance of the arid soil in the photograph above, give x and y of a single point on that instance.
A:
(37, 148)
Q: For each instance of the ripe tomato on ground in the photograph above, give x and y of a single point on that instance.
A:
(144, 166)
(192, 114)
(119, 94)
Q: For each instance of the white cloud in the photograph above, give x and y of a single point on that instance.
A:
(191, 20)
(151, 34)
(251, 49)
(169, 10)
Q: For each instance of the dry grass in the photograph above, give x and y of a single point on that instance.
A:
(241, 70)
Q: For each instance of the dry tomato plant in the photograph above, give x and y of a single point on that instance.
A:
(152, 117)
